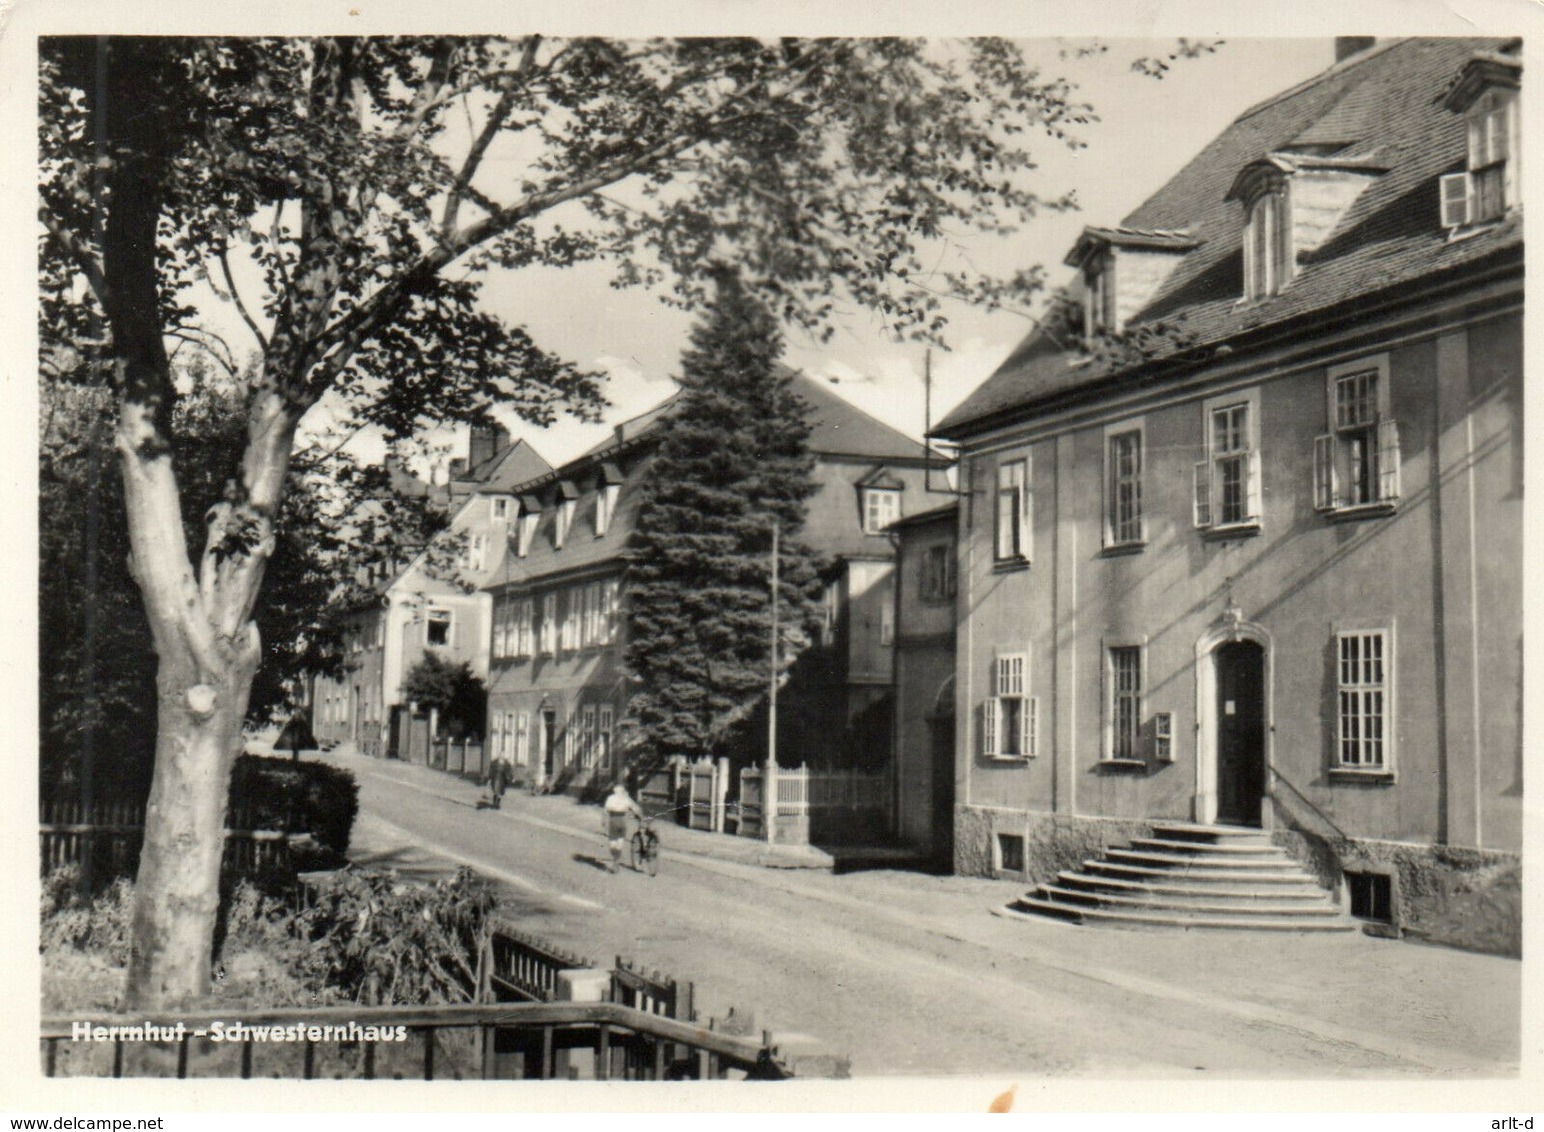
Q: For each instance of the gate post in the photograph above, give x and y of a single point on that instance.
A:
(720, 792)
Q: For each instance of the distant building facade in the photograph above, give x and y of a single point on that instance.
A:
(557, 683)
(1269, 570)
(426, 605)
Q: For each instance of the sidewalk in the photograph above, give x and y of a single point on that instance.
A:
(568, 813)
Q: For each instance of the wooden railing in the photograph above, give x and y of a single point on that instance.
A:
(597, 1040)
(518, 964)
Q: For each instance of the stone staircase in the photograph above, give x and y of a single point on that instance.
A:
(1190, 876)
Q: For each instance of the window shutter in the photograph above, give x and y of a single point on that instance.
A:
(989, 726)
(1202, 511)
(1256, 509)
(1388, 459)
(1457, 192)
(1027, 533)
(1031, 717)
(1325, 482)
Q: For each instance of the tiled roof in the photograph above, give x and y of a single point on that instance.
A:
(508, 469)
(1383, 105)
(838, 427)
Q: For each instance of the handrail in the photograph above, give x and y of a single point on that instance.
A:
(1325, 818)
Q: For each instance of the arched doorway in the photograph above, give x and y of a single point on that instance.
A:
(1233, 723)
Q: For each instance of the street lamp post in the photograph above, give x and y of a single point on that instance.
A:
(769, 780)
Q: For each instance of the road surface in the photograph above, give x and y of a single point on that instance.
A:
(911, 974)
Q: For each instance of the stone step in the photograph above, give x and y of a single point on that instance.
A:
(1239, 847)
(1190, 831)
(1180, 862)
(1193, 875)
(1034, 908)
(1181, 905)
(1304, 890)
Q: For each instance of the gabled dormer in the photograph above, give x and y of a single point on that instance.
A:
(1123, 270)
(879, 500)
(1293, 200)
(608, 487)
(567, 497)
(530, 518)
(1485, 92)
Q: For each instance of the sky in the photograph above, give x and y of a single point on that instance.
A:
(1148, 129)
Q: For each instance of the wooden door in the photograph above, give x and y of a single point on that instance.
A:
(1240, 732)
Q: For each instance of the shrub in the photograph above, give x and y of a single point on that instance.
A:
(308, 797)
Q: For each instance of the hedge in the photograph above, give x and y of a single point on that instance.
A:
(301, 797)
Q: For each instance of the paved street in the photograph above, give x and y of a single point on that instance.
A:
(911, 974)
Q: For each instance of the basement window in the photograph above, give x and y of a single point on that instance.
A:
(1372, 896)
(1010, 853)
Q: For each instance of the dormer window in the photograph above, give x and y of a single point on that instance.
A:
(607, 490)
(881, 507)
(568, 502)
(879, 500)
(530, 516)
(1139, 260)
(1099, 310)
(1485, 93)
(1267, 245)
(500, 509)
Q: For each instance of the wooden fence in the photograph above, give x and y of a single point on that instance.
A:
(464, 757)
(109, 835)
(826, 807)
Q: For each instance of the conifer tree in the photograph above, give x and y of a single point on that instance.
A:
(734, 460)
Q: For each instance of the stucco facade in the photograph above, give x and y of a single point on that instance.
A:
(1274, 576)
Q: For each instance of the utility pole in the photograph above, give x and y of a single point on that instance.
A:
(772, 687)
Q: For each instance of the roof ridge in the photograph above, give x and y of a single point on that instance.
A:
(1337, 68)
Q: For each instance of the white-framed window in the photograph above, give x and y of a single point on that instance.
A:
(881, 507)
(830, 612)
(476, 552)
(1123, 703)
(569, 618)
(1014, 511)
(604, 726)
(524, 642)
(549, 623)
(1357, 463)
(935, 574)
(1124, 522)
(500, 509)
(1364, 668)
(605, 506)
(1009, 718)
(439, 628)
(1268, 244)
(1489, 188)
(611, 609)
(1163, 736)
(587, 735)
(1227, 483)
(503, 622)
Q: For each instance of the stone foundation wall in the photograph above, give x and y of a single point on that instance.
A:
(1468, 898)
(1052, 842)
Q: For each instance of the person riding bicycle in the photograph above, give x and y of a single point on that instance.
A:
(616, 810)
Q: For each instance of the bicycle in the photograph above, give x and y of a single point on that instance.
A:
(645, 848)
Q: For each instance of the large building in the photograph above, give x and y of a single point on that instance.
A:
(557, 685)
(430, 603)
(1240, 540)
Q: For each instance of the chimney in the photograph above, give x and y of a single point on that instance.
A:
(1349, 45)
(487, 441)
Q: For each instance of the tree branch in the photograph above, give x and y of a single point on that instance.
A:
(76, 249)
(241, 307)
